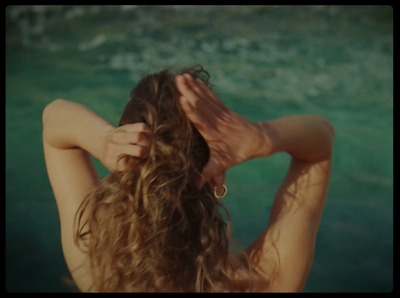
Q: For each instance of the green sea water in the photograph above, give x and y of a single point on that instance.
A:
(265, 62)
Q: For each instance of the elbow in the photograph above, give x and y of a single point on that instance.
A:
(328, 137)
(48, 110)
(45, 114)
(327, 125)
(331, 130)
(331, 136)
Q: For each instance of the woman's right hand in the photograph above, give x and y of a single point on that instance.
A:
(124, 144)
(232, 139)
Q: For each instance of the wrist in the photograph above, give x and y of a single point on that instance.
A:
(270, 139)
(96, 145)
(304, 137)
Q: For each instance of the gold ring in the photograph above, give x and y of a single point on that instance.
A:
(223, 195)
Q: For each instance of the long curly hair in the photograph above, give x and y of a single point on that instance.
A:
(149, 228)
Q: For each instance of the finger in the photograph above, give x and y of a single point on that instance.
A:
(195, 116)
(208, 98)
(134, 151)
(133, 137)
(205, 90)
(202, 91)
(137, 127)
(189, 89)
(208, 171)
(198, 100)
(138, 138)
(191, 82)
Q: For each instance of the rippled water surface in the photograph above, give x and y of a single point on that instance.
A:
(265, 62)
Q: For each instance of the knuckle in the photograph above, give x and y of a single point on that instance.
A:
(136, 137)
(142, 126)
(109, 162)
(117, 136)
(139, 137)
(144, 151)
(109, 147)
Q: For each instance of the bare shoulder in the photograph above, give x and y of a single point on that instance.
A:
(284, 251)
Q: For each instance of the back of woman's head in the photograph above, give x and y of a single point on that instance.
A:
(150, 228)
(177, 145)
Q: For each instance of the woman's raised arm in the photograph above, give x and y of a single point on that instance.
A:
(71, 133)
(284, 251)
(70, 125)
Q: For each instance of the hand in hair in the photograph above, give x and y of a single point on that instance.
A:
(124, 144)
(232, 139)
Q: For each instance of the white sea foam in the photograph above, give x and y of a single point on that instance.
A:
(74, 12)
(95, 42)
(126, 8)
(209, 47)
(94, 9)
(234, 43)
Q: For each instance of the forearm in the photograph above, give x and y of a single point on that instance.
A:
(68, 125)
(305, 137)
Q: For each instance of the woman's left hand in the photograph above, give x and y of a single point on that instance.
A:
(130, 140)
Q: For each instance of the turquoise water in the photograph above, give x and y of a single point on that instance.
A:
(265, 62)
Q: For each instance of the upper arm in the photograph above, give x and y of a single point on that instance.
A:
(284, 251)
(72, 175)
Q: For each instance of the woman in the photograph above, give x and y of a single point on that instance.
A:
(153, 224)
